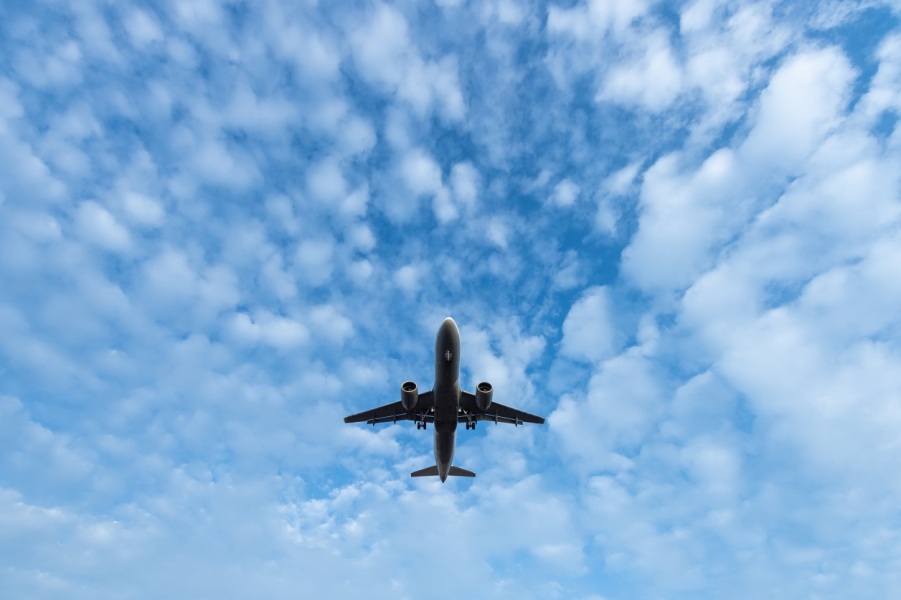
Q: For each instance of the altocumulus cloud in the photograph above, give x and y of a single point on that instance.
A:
(670, 227)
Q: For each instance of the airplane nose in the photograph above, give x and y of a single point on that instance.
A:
(448, 332)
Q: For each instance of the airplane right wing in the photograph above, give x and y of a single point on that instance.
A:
(496, 412)
(394, 412)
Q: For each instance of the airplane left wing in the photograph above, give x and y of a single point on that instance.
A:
(496, 412)
(394, 412)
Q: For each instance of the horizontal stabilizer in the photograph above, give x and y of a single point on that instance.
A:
(458, 472)
(427, 472)
(433, 472)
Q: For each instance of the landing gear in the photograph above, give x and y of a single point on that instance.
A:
(470, 424)
(420, 424)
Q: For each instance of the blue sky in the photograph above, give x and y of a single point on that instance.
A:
(672, 228)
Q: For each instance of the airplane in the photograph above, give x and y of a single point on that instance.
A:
(445, 405)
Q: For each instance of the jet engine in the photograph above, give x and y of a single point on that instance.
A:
(484, 392)
(409, 395)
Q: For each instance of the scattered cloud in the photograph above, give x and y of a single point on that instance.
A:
(671, 229)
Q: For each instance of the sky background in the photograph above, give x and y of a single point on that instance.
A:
(672, 228)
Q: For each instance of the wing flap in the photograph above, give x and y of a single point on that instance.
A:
(496, 412)
(394, 412)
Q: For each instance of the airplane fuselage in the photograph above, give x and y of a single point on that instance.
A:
(446, 394)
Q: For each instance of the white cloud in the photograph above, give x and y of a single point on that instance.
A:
(715, 467)
(197, 14)
(95, 224)
(40, 227)
(624, 401)
(311, 50)
(498, 233)
(444, 207)
(279, 279)
(501, 355)
(465, 184)
(219, 165)
(409, 277)
(10, 107)
(142, 27)
(683, 218)
(331, 324)
(382, 44)
(654, 79)
(314, 260)
(697, 15)
(615, 186)
(565, 193)
(360, 236)
(570, 273)
(169, 276)
(360, 271)
(813, 352)
(804, 100)
(507, 12)
(883, 93)
(326, 183)
(95, 33)
(590, 20)
(357, 135)
(176, 288)
(58, 68)
(386, 55)
(280, 332)
(680, 218)
(619, 182)
(588, 330)
(266, 113)
(281, 212)
(23, 172)
(142, 209)
(421, 173)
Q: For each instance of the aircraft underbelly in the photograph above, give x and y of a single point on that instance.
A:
(443, 405)
(444, 450)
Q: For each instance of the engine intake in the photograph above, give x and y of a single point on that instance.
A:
(409, 395)
(484, 391)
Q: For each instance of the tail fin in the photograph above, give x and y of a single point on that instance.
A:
(433, 472)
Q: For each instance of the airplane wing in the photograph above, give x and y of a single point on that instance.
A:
(496, 412)
(394, 412)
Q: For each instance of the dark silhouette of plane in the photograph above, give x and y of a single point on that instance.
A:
(445, 406)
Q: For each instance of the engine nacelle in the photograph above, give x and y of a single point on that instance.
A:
(409, 395)
(484, 391)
